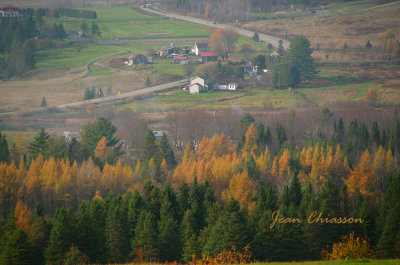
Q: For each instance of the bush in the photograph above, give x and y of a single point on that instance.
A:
(349, 248)
(224, 257)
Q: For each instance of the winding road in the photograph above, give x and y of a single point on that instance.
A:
(136, 93)
(246, 33)
(145, 91)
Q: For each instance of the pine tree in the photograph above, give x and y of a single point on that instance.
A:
(87, 240)
(167, 153)
(17, 249)
(135, 206)
(61, 236)
(4, 151)
(146, 237)
(169, 238)
(150, 145)
(116, 231)
(44, 102)
(40, 145)
(375, 134)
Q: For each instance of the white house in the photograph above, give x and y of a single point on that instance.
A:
(196, 88)
(200, 47)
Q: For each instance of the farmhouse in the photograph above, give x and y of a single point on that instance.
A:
(181, 60)
(137, 58)
(9, 11)
(200, 47)
(199, 84)
(209, 57)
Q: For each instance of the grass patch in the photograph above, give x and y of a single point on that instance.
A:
(27, 137)
(124, 23)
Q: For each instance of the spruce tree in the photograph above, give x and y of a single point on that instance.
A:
(86, 233)
(135, 206)
(150, 145)
(169, 238)
(61, 236)
(98, 213)
(40, 145)
(375, 134)
(116, 231)
(146, 237)
(44, 102)
(4, 151)
(17, 249)
(167, 153)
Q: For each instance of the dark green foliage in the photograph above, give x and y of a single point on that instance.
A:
(368, 45)
(87, 240)
(375, 133)
(295, 195)
(150, 145)
(260, 62)
(169, 238)
(95, 30)
(93, 132)
(17, 250)
(38, 237)
(256, 38)
(62, 236)
(69, 12)
(44, 102)
(388, 222)
(167, 153)
(116, 231)
(135, 206)
(280, 134)
(230, 230)
(345, 46)
(90, 93)
(148, 82)
(281, 49)
(40, 145)
(146, 237)
(4, 151)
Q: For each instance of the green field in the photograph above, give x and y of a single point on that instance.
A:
(124, 23)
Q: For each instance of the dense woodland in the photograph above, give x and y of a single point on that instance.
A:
(79, 199)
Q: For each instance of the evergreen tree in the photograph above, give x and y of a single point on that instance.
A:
(167, 153)
(256, 38)
(74, 257)
(388, 221)
(189, 238)
(150, 145)
(116, 231)
(183, 199)
(281, 49)
(169, 238)
(93, 132)
(368, 45)
(146, 237)
(375, 134)
(38, 237)
(295, 191)
(87, 241)
(17, 250)
(135, 206)
(61, 236)
(4, 151)
(230, 230)
(196, 205)
(98, 213)
(40, 145)
(44, 102)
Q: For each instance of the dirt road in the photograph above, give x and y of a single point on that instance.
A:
(247, 33)
(136, 93)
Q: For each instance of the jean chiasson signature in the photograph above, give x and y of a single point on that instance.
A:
(314, 218)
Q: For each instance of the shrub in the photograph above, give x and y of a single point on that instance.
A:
(224, 257)
(349, 248)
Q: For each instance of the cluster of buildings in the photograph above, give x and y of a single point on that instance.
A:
(9, 11)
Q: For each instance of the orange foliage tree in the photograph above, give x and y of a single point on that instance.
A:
(222, 41)
(349, 248)
(362, 176)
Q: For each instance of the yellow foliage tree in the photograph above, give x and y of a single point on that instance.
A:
(349, 247)
(251, 139)
(100, 150)
(23, 217)
(362, 176)
(242, 188)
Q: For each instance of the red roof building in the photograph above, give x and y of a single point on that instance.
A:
(181, 60)
(9, 11)
(209, 57)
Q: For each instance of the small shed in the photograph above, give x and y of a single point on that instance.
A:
(181, 60)
(209, 57)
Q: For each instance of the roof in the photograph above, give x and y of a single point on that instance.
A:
(9, 7)
(180, 58)
(209, 54)
(201, 45)
(133, 56)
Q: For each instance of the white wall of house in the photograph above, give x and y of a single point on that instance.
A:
(198, 80)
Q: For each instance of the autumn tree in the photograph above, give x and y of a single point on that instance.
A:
(251, 139)
(362, 176)
(89, 108)
(371, 96)
(222, 41)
